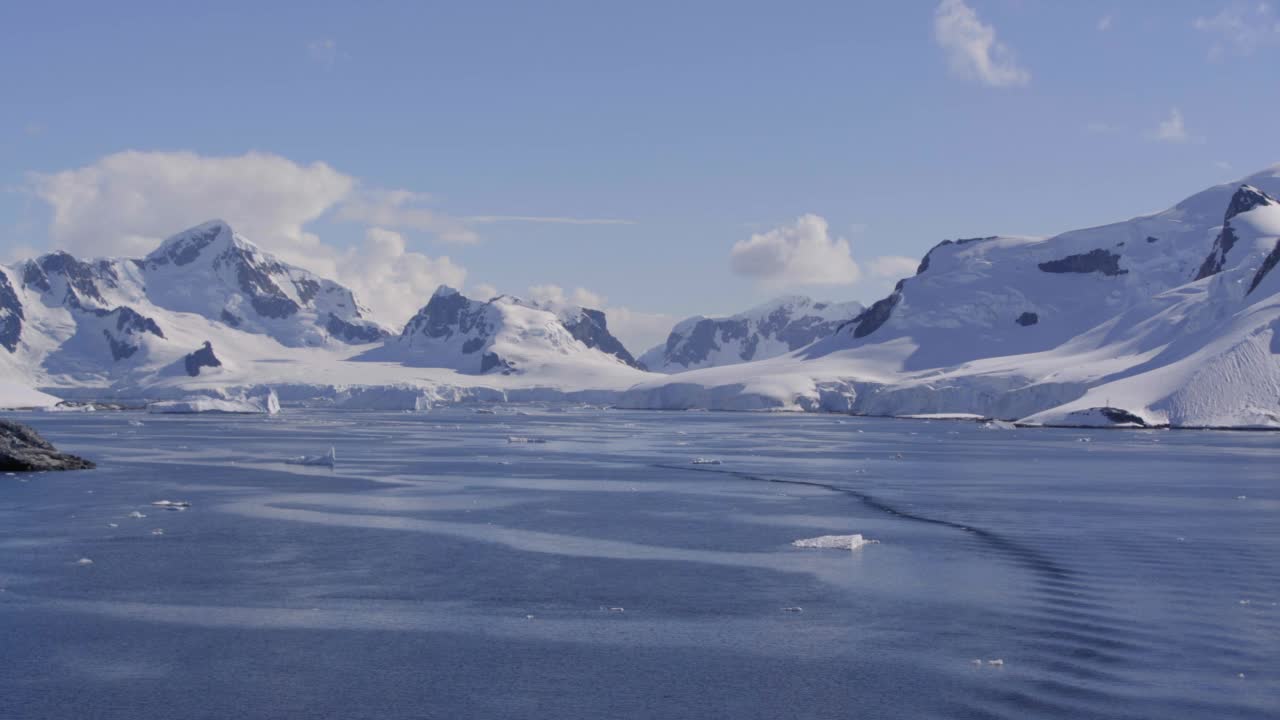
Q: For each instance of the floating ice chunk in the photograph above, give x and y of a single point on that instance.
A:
(484, 411)
(706, 461)
(267, 404)
(136, 423)
(135, 514)
(157, 531)
(793, 609)
(1242, 497)
(514, 439)
(998, 662)
(171, 504)
(835, 542)
(84, 561)
(976, 661)
(998, 425)
(329, 459)
(113, 525)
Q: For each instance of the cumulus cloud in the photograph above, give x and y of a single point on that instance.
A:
(406, 210)
(556, 297)
(1171, 129)
(126, 203)
(1240, 28)
(392, 281)
(893, 267)
(971, 47)
(802, 253)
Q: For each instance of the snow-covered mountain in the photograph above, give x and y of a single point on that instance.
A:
(775, 328)
(1171, 318)
(63, 319)
(504, 335)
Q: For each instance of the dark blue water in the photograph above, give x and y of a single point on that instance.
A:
(442, 571)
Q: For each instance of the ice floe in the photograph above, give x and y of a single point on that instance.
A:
(329, 459)
(835, 542)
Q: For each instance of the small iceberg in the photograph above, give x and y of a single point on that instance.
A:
(329, 459)
(84, 561)
(998, 425)
(705, 461)
(267, 404)
(171, 505)
(526, 440)
(136, 515)
(835, 542)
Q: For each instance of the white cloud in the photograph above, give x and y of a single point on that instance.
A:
(802, 253)
(392, 281)
(406, 210)
(126, 203)
(637, 330)
(544, 220)
(555, 296)
(324, 52)
(484, 291)
(893, 267)
(972, 49)
(1104, 23)
(1171, 129)
(1241, 27)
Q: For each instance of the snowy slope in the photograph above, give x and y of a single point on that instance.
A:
(769, 330)
(14, 395)
(1170, 318)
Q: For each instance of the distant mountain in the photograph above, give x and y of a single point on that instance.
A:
(1171, 318)
(503, 335)
(107, 319)
(781, 326)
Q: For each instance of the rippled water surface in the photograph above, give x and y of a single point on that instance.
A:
(444, 571)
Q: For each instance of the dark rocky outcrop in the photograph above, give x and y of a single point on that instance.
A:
(924, 262)
(1122, 417)
(1027, 319)
(23, 450)
(81, 277)
(591, 328)
(1268, 264)
(1099, 261)
(202, 358)
(354, 333)
(1246, 198)
(878, 314)
(11, 315)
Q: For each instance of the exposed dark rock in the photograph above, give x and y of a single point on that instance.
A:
(491, 361)
(472, 345)
(34, 277)
(120, 349)
(188, 249)
(447, 312)
(11, 315)
(202, 358)
(80, 276)
(354, 333)
(924, 262)
(1027, 319)
(23, 450)
(878, 314)
(231, 319)
(1099, 261)
(1245, 199)
(1152, 239)
(1217, 258)
(592, 329)
(1268, 264)
(1122, 417)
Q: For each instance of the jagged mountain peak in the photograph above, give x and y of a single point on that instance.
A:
(1246, 198)
(190, 244)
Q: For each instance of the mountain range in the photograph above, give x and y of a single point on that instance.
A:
(1171, 318)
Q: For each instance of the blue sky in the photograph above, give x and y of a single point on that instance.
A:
(621, 148)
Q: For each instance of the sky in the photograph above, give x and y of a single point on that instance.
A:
(657, 159)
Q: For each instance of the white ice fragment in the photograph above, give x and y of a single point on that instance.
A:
(171, 504)
(835, 542)
(617, 609)
(113, 525)
(84, 561)
(793, 609)
(706, 461)
(998, 425)
(329, 459)
(998, 662)
(135, 514)
(157, 531)
(136, 423)
(526, 440)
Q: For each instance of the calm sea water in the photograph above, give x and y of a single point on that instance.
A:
(443, 571)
